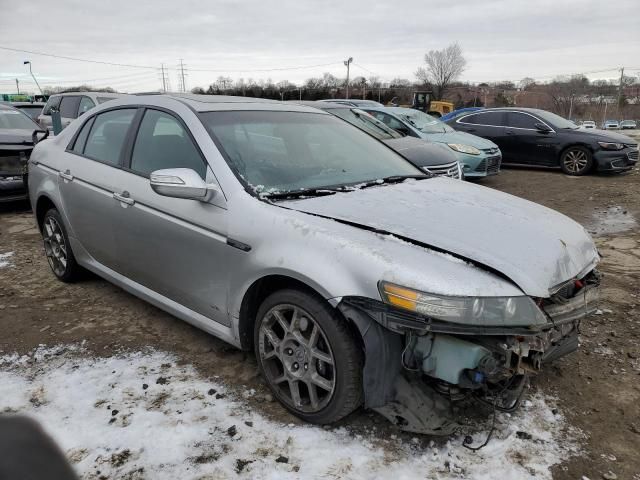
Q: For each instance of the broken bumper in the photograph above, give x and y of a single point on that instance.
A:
(413, 364)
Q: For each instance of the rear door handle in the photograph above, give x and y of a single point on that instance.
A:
(124, 198)
(66, 175)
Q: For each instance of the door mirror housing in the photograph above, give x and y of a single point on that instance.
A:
(541, 127)
(39, 135)
(181, 183)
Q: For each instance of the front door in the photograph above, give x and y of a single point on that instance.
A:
(175, 247)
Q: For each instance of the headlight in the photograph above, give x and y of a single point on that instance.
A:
(459, 147)
(489, 311)
(611, 146)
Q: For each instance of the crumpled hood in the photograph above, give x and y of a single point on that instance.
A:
(460, 137)
(535, 247)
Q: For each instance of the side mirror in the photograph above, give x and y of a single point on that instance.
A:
(541, 127)
(181, 183)
(35, 138)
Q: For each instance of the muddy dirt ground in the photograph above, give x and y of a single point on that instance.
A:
(598, 387)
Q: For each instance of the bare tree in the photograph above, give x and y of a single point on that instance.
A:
(527, 83)
(442, 68)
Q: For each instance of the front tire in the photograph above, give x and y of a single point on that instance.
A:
(576, 161)
(58, 249)
(308, 356)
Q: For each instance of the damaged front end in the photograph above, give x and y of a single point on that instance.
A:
(418, 366)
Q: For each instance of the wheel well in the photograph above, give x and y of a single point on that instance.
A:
(583, 145)
(259, 291)
(43, 205)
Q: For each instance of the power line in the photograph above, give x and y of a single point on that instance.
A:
(76, 59)
(149, 67)
(279, 69)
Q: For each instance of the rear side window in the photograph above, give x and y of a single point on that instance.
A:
(107, 135)
(52, 102)
(494, 119)
(81, 139)
(162, 142)
(521, 120)
(69, 107)
(85, 104)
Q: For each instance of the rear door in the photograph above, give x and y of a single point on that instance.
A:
(87, 182)
(69, 109)
(175, 247)
(528, 145)
(486, 124)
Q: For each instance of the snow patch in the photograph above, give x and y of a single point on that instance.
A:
(4, 259)
(144, 415)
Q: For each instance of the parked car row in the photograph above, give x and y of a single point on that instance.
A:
(533, 137)
(355, 277)
(18, 134)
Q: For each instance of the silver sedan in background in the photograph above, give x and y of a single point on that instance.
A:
(355, 278)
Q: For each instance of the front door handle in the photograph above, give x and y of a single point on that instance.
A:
(66, 175)
(124, 198)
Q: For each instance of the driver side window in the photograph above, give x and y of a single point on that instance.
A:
(163, 142)
(389, 121)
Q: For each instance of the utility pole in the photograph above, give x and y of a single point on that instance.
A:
(570, 106)
(619, 94)
(28, 62)
(18, 86)
(164, 79)
(347, 64)
(183, 84)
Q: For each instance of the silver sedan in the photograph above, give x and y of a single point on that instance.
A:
(355, 278)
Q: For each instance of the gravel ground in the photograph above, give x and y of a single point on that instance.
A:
(597, 388)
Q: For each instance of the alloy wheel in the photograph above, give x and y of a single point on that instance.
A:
(55, 246)
(297, 358)
(575, 161)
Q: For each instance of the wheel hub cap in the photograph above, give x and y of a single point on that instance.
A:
(297, 358)
(55, 246)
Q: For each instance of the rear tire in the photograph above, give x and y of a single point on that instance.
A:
(308, 356)
(58, 249)
(576, 161)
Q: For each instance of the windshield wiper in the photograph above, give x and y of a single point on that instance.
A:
(394, 179)
(308, 192)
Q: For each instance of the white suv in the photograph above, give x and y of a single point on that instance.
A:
(71, 105)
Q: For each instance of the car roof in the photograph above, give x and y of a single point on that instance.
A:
(97, 94)
(208, 103)
(323, 105)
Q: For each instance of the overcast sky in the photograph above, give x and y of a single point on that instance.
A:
(502, 40)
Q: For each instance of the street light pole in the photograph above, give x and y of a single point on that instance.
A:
(32, 75)
(347, 63)
(18, 86)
